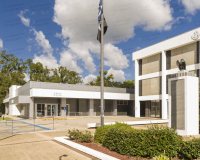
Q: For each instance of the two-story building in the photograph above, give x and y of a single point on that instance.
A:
(155, 64)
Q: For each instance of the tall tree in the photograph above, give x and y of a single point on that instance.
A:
(39, 73)
(128, 84)
(63, 75)
(12, 73)
(107, 80)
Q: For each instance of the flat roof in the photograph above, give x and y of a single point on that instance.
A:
(61, 86)
(168, 44)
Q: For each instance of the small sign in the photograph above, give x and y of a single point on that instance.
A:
(57, 94)
(64, 108)
(54, 109)
(195, 35)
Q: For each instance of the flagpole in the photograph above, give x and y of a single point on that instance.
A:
(102, 69)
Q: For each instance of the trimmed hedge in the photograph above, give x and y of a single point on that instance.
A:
(143, 143)
(102, 131)
(148, 143)
(190, 149)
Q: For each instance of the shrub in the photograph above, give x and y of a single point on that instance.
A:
(74, 134)
(102, 131)
(80, 136)
(190, 149)
(141, 143)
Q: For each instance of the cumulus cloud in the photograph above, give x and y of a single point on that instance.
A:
(47, 58)
(27, 77)
(79, 24)
(1, 43)
(191, 5)
(115, 57)
(117, 74)
(42, 41)
(25, 21)
(79, 21)
(82, 51)
(68, 60)
(89, 78)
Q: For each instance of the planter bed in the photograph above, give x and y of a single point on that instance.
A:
(100, 148)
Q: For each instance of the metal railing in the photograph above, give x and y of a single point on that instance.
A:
(26, 125)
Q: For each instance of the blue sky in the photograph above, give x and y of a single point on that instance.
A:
(63, 32)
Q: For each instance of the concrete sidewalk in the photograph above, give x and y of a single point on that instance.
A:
(34, 146)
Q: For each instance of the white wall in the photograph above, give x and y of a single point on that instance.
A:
(13, 110)
(171, 43)
(77, 94)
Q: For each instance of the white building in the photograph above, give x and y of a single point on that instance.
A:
(56, 99)
(153, 67)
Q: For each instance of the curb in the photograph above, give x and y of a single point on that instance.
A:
(84, 149)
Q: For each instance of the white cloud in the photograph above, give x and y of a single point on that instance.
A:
(79, 21)
(117, 74)
(1, 43)
(115, 57)
(43, 42)
(27, 77)
(68, 60)
(82, 51)
(47, 59)
(79, 24)
(89, 78)
(191, 5)
(25, 21)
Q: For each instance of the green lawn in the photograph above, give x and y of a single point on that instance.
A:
(5, 118)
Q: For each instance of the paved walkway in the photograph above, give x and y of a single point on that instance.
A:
(34, 146)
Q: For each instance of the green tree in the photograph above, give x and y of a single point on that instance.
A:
(39, 73)
(63, 75)
(128, 84)
(107, 80)
(12, 73)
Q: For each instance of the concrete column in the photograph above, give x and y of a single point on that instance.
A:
(91, 107)
(31, 106)
(63, 104)
(114, 108)
(164, 96)
(6, 108)
(137, 102)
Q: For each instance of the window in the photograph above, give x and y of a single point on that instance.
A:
(40, 110)
(122, 102)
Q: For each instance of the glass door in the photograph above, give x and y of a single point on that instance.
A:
(49, 110)
(53, 110)
(155, 109)
(67, 110)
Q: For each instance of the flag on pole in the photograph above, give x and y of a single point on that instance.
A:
(99, 20)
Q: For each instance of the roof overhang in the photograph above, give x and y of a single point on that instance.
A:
(53, 93)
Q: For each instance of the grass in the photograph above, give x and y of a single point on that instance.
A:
(5, 118)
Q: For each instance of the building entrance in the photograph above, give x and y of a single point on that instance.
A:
(52, 110)
(150, 109)
(67, 110)
(155, 109)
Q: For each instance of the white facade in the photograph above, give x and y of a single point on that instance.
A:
(56, 99)
(161, 48)
(187, 118)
